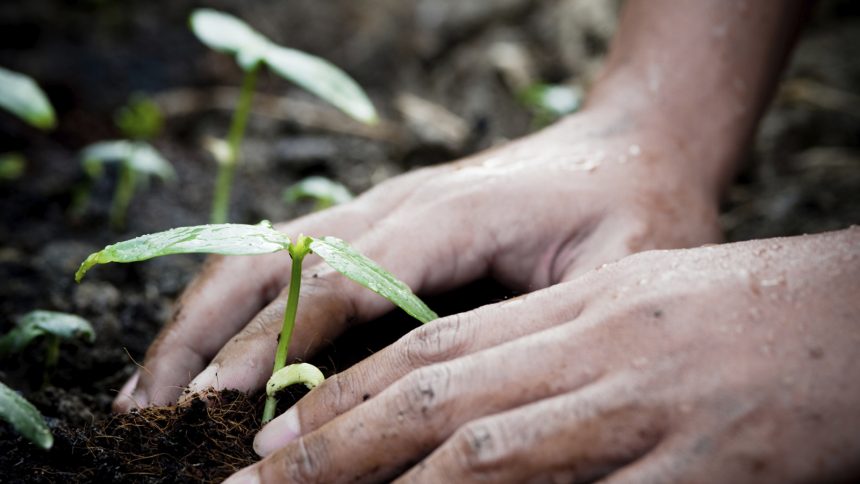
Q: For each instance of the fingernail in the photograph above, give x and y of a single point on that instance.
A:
(278, 433)
(207, 379)
(248, 475)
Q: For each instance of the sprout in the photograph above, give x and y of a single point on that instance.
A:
(21, 96)
(226, 33)
(24, 418)
(327, 193)
(53, 326)
(137, 161)
(140, 119)
(237, 239)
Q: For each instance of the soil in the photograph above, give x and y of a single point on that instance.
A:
(803, 176)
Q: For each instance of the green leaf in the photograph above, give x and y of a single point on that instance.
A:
(21, 96)
(140, 119)
(324, 79)
(326, 192)
(227, 239)
(226, 33)
(24, 417)
(39, 323)
(141, 157)
(354, 265)
(304, 373)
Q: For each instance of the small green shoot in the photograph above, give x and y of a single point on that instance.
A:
(24, 418)
(21, 96)
(304, 373)
(548, 102)
(137, 161)
(324, 191)
(12, 166)
(140, 119)
(53, 327)
(226, 33)
(237, 239)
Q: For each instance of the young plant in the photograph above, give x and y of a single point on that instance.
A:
(236, 239)
(137, 160)
(324, 191)
(53, 326)
(21, 96)
(226, 33)
(24, 418)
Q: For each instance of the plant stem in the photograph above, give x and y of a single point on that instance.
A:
(122, 195)
(227, 167)
(52, 356)
(298, 251)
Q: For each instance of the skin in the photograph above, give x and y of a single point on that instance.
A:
(703, 365)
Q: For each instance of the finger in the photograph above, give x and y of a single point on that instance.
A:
(436, 342)
(227, 293)
(427, 257)
(575, 437)
(407, 420)
(660, 465)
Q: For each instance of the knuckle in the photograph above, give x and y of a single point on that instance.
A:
(424, 392)
(436, 342)
(480, 446)
(303, 463)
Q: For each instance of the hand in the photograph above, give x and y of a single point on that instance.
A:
(733, 363)
(544, 209)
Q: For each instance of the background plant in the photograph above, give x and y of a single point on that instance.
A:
(24, 417)
(226, 33)
(137, 160)
(324, 191)
(237, 239)
(53, 327)
(21, 96)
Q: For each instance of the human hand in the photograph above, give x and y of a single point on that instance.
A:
(589, 190)
(732, 363)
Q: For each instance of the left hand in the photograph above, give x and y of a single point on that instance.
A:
(732, 363)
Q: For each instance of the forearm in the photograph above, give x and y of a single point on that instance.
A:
(701, 71)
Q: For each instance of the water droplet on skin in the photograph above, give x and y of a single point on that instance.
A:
(634, 150)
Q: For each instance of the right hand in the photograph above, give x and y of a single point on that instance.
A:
(536, 212)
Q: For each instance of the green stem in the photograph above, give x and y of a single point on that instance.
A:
(227, 167)
(52, 355)
(122, 195)
(298, 251)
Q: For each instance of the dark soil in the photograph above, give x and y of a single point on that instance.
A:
(803, 176)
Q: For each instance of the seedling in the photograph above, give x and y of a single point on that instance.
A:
(54, 327)
(21, 96)
(324, 191)
(12, 166)
(137, 161)
(24, 417)
(548, 102)
(236, 239)
(226, 33)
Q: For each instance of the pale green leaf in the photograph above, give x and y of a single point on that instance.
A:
(324, 79)
(141, 157)
(326, 192)
(354, 265)
(226, 239)
(21, 96)
(304, 373)
(24, 417)
(226, 33)
(39, 323)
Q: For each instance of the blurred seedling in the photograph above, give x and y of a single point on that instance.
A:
(325, 192)
(226, 33)
(51, 327)
(24, 418)
(137, 160)
(236, 239)
(21, 96)
(549, 102)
